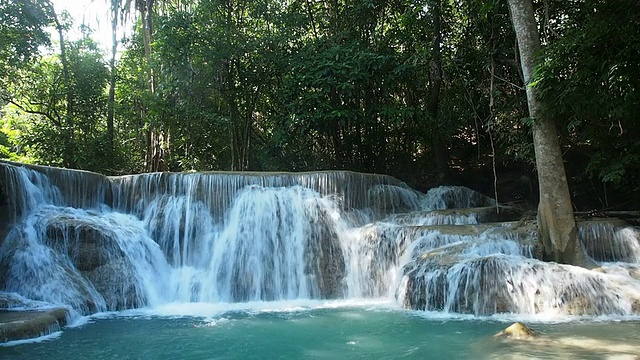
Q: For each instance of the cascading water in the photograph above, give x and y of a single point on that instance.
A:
(89, 259)
(97, 243)
(275, 243)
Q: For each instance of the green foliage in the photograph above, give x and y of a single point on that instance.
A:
(590, 76)
(306, 85)
(38, 122)
(22, 32)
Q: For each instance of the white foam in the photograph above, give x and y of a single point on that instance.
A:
(525, 318)
(204, 309)
(79, 321)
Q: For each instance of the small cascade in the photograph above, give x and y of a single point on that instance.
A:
(486, 270)
(500, 283)
(183, 227)
(435, 217)
(28, 187)
(609, 241)
(454, 197)
(373, 256)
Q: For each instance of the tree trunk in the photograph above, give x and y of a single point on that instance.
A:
(112, 87)
(155, 156)
(556, 222)
(433, 101)
(68, 133)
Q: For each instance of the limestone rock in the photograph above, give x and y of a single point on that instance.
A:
(518, 330)
(115, 281)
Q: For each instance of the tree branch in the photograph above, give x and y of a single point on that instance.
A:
(36, 112)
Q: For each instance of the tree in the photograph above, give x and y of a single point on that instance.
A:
(22, 31)
(67, 123)
(39, 109)
(556, 220)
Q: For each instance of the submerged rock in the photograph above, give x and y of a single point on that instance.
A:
(518, 330)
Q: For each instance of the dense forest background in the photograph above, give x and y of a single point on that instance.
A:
(428, 91)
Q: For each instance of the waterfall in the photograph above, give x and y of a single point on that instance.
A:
(144, 240)
(274, 244)
(98, 243)
(606, 241)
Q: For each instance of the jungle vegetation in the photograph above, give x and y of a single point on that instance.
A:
(429, 91)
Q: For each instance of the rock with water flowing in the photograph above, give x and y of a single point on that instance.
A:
(457, 216)
(498, 270)
(610, 240)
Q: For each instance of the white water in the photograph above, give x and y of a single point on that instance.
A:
(165, 240)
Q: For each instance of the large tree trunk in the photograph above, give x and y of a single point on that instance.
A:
(556, 220)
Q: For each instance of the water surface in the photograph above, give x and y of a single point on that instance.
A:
(329, 330)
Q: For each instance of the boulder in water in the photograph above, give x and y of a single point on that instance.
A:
(519, 331)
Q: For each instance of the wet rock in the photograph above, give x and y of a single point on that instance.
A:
(86, 246)
(95, 253)
(580, 305)
(115, 281)
(18, 325)
(518, 330)
(328, 267)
